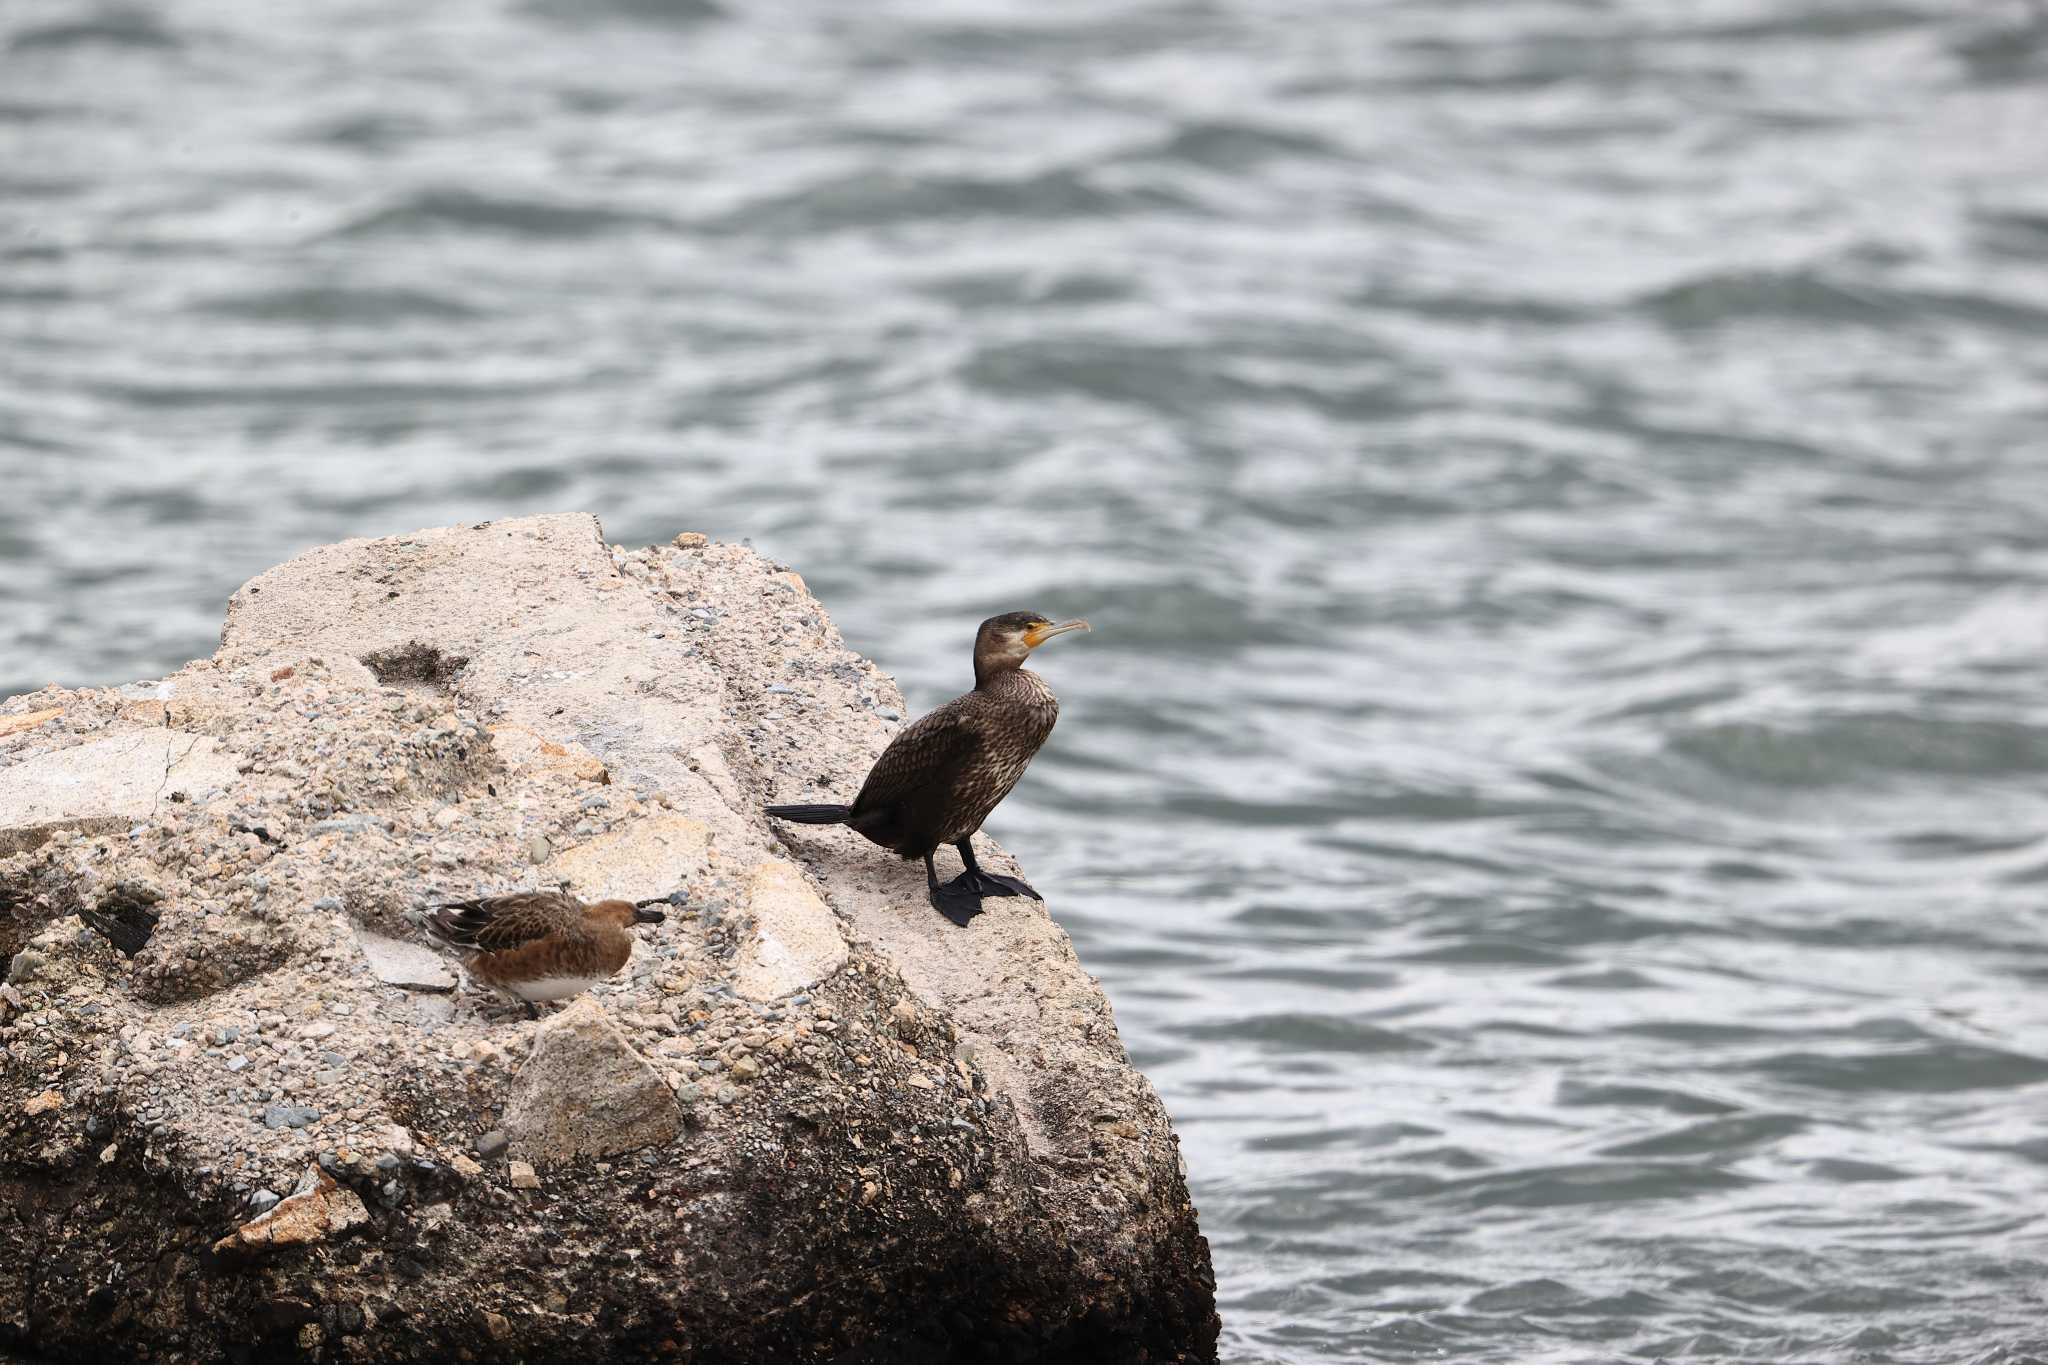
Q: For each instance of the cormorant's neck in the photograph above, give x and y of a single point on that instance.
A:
(989, 672)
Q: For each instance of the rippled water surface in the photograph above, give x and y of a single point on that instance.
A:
(1558, 787)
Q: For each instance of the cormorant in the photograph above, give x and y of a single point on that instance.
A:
(939, 778)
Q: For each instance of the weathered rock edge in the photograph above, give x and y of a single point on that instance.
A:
(896, 1141)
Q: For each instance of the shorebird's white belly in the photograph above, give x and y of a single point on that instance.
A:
(550, 987)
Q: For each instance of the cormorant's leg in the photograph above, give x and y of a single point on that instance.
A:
(955, 900)
(990, 883)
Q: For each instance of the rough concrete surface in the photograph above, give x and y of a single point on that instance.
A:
(106, 783)
(809, 1121)
(395, 962)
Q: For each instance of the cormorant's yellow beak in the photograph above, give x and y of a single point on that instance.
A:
(1038, 635)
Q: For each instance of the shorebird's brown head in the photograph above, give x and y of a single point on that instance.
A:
(1006, 641)
(625, 914)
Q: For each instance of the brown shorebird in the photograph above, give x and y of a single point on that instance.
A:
(540, 945)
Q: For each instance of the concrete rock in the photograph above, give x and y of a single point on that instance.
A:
(650, 857)
(796, 938)
(29, 720)
(528, 751)
(408, 965)
(586, 1093)
(865, 1131)
(106, 784)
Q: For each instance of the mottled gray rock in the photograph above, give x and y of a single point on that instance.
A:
(809, 1120)
(584, 1092)
(794, 940)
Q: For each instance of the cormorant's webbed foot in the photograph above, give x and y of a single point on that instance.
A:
(995, 884)
(989, 883)
(956, 902)
(960, 899)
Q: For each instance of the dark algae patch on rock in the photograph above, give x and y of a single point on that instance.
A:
(818, 1123)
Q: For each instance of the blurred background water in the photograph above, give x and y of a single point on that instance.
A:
(1559, 786)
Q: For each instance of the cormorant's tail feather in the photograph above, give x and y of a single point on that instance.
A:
(812, 815)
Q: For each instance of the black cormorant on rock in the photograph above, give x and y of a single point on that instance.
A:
(938, 779)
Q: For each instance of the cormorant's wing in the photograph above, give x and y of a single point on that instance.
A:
(912, 782)
(492, 924)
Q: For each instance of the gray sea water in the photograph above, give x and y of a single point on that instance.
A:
(1558, 791)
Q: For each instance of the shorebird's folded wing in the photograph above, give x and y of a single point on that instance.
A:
(492, 924)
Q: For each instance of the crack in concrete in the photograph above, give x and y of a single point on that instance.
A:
(170, 742)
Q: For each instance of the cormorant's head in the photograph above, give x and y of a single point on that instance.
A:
(1005, 641)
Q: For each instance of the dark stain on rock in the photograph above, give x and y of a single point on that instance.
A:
(416, 663)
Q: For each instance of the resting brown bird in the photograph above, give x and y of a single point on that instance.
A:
(938, 779)
(539, 945)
